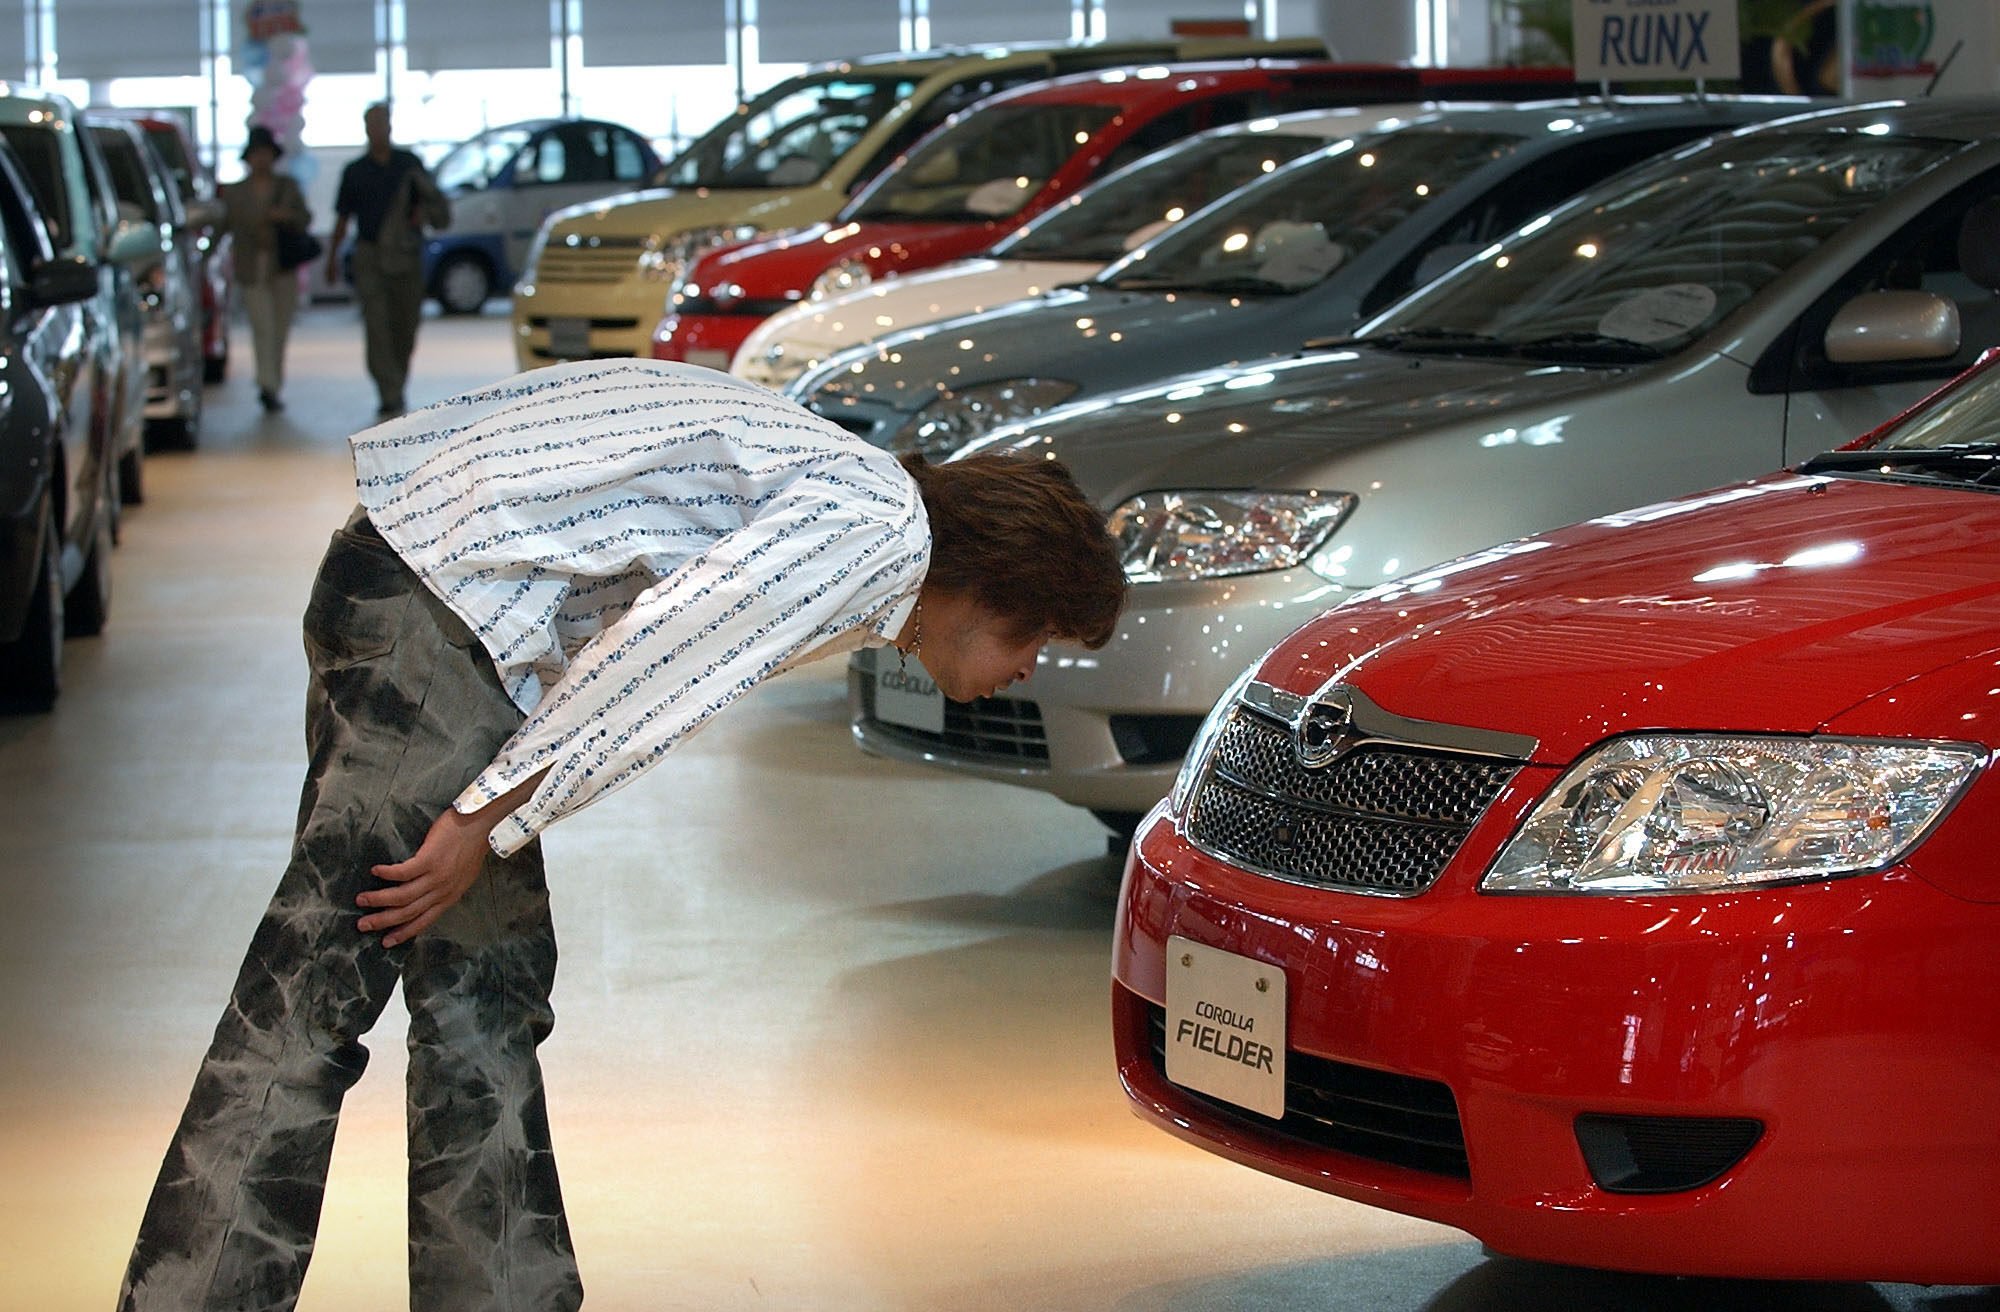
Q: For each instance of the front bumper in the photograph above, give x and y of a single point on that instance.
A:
(1114, 723)
(1854, 1022)
(704, 339)
(613, 318)
(173, 364)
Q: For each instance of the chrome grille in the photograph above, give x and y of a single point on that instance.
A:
(603, 259)
(1383, 817)
(998, 729)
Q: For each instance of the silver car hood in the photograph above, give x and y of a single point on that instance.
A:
(1268, 423)
(1098, 336)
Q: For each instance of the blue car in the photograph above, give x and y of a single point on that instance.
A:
(505, 181)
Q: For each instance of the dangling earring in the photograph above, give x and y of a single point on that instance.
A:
(903, 654)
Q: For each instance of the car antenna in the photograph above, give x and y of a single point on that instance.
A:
(1956, 46)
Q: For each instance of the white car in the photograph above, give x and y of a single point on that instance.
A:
(1071, 242)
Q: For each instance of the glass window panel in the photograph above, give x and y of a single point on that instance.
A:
(127, 38)
(980, 22)
(628, 32)
(341, 35)
(807, 30)
(491, 34)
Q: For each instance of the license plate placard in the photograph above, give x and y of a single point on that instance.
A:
(907, 695)
(570, 338)
(709, 359)
(1226, 1026)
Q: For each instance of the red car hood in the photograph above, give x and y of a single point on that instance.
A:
(1774, 606)
(783, 267)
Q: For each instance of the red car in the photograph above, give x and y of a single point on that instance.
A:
(992, 168)
(1626, 896)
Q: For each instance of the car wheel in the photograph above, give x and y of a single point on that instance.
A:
(31, 665)
(88, 605)
(214, 368)
(131, 477)
(463, 284)
(177, 433)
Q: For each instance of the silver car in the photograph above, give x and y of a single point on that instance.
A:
(1304, 253)
(1743, 303)
(166, 279)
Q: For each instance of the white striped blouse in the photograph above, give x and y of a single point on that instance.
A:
(637, 543)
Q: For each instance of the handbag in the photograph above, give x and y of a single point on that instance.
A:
(296, 246)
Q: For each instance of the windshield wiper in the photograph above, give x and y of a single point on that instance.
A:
(1594, 348)
(1977, 463)
(1244, 282)
(1452, 341)
(1148, 282)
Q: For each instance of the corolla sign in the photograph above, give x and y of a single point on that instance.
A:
(1634, 40)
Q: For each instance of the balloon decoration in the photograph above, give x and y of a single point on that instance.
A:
(273, 57)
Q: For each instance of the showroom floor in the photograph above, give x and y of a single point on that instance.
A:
(832, 1032)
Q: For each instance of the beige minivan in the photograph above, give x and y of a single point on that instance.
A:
(595, 281)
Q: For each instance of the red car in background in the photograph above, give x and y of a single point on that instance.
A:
(990, 169)
(1626, 896)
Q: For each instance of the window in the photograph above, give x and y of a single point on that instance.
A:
(790, 135)
(988, 166)
(40, 154)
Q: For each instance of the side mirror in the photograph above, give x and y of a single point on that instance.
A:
(1876, 327)
(61, 282)
(133, 242)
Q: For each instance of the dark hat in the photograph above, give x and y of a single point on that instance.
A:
(262, 136)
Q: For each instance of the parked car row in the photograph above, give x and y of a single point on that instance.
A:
(104, 336)
(596, 280)
(1620, 892)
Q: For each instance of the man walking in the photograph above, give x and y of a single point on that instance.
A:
(548, 585)
(389, 196)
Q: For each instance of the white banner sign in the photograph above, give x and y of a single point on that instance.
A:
(1656, 40)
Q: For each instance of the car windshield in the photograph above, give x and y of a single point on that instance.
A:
(1287, 234)
(1954, 438)
(986, 166)
(1102, 222)
(471, 165)
(1682, 243)
(788, 136)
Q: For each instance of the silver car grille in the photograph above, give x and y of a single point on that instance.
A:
(600, 259)
(1384, 815)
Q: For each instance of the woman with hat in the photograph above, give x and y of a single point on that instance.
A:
(268, 221)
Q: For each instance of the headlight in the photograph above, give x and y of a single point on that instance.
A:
(844, 276)
(1204, 740)
(534, 260)
(662, 256)
(1666, 813)
(1202, 535)
(956, 418)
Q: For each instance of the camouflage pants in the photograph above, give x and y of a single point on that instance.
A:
(403, 710)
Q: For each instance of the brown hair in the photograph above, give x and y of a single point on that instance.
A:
(1020, 536)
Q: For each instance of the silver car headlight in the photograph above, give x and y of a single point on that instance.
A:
(844, 276)
(958, 417)
(1210, 534)
(1670, 813)
(1204, 740)
(664, 256)
(534, 259)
